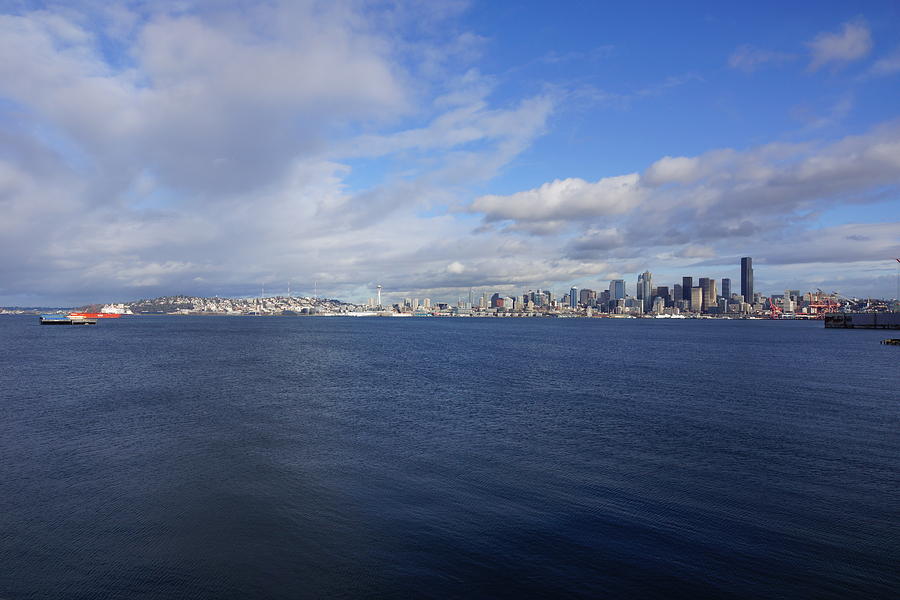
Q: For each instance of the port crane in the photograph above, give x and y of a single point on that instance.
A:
(823, 304)
(775, 311)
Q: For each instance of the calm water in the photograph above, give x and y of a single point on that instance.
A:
(335, 457)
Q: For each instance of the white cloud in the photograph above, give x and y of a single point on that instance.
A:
(564, 199)
(694, 204)
(456, 268)
(749, 58)
(886, 65)
(852, 42)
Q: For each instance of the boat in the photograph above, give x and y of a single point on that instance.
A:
(99, 315)
(66, 319)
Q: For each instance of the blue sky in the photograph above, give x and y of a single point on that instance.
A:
(218, 147)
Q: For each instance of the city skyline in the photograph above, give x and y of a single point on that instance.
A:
(222, 148)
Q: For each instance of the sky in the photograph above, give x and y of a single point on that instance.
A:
(235, 148)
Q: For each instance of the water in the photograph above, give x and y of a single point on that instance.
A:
(205, 457)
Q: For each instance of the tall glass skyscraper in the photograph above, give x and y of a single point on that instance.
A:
(645, 284)
(616, 289)
(573, 297)
(747, 279)
(726, 288)
(686, 284)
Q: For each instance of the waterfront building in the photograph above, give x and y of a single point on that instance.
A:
(686, 284)
(573, 297)
(747, 278)
(496, 301)
(726, 288)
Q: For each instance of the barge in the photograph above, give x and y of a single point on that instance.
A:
(73, 319)
(863, 320)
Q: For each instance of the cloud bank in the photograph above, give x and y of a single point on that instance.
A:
(218, 148)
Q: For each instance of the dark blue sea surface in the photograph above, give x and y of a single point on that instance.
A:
(217, 457)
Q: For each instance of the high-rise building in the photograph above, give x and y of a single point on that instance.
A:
(696, 299)
(573, 297)
(604, 299)
(726, 288)
(663, 292)
(645, 284)
(496, 301)
(711, 296)
(747, 279)
(587, 296)
(709, 292)
(677, 293)
(616, 289)
(686, 284)
(703, 284)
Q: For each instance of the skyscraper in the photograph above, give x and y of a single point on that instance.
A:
(747, 279)
(696, 299)
(645, 283)
(616, 289)
(663, 292)
(703, 284)
(726, 288)
(573, 297)
(686, 284)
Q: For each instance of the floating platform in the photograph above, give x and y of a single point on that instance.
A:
(66, 320)
(869, 320)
